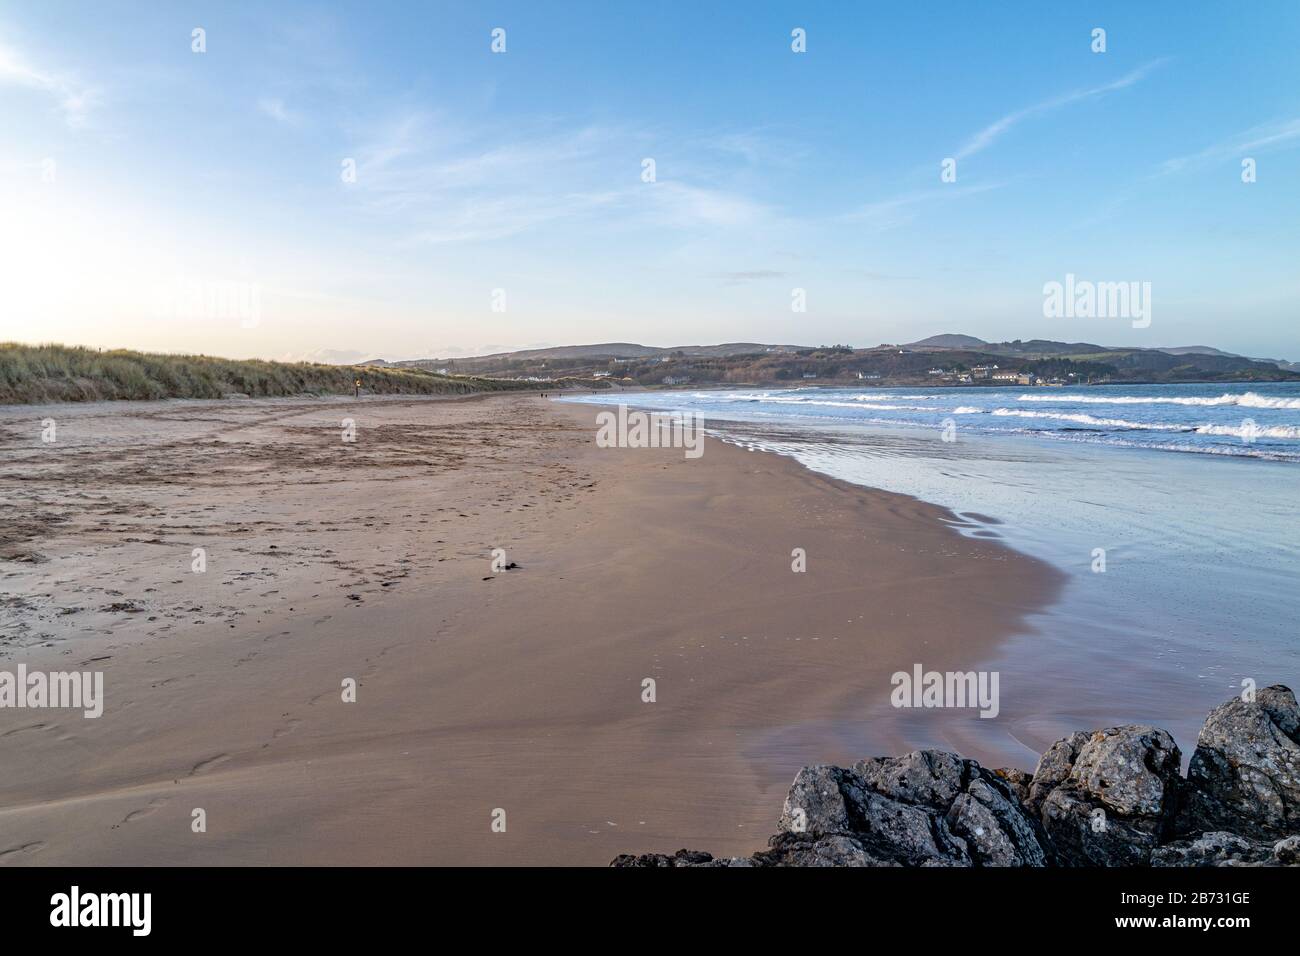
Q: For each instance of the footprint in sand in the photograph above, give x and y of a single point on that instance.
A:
(289, 726)
(19, 730)
(27, 848)
(154, 806)
(203, 766)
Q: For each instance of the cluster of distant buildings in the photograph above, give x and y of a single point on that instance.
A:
(991, 373)
(983, 373)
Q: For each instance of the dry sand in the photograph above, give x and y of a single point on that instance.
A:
(520, 690)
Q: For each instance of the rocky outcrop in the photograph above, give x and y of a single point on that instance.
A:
(1219, 848)
(1245, 773)
(925, 809)
(1117, 799)
(1112, 797)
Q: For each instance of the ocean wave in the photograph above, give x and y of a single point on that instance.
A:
(1245, 400)
(1227, 451)
(828, 403)
(869, 397)
(725, 397)
(799, 449)
(1080, 418)
(967, 410)
(1247, 430)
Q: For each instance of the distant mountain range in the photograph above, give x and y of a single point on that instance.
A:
(1045, 348)
(1183, 362)
(606, 350)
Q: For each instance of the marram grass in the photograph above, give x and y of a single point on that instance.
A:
(31, 374)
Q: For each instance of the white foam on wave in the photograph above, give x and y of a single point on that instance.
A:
(807, 451)
(828, 403)
(916, 398)
(1227, 451)
(1246, 400)
(1080, 418)
(1248, 430)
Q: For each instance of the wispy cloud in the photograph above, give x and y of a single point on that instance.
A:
(74, 98)
(682, 206)
(880, 276)
(1283, 134)
(896, 210)
(275, 108)
(478, 219)
(751, 275)
(989, 134)
(451, 182)
(761, 146)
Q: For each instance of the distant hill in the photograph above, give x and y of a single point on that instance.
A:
(605, 350)
(1044, 348)
(598, 355)
(948, 340)
(1206, 350)
(939, 359)
(1193, 350)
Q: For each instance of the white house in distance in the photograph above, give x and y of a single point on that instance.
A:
(1017, 378)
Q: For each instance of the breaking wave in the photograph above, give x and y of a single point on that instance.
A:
(1245, 400)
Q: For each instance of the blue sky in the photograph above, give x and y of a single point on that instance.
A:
(136, 176)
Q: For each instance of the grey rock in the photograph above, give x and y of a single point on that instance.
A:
(795, 849)
(1018, 780)
(1286, 852)
(829, 801)
(816, 803)
(980, 808)
(1216, 848)
(999, 832)
(1280, 703)
(1110, 797)
(1085, 835)
(928, 778)
(652, 860)
(1053, 767)
(926, 808)
(1245, 773)
(909, 835)
(1131, 770)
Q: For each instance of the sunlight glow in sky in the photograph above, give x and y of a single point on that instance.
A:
(145, 187)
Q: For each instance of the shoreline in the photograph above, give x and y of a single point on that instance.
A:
(477, 691)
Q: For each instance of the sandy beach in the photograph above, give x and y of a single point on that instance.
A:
(477, 691)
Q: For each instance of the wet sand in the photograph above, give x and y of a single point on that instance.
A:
(477, 691)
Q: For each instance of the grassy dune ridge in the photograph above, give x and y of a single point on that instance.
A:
(58, 373)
